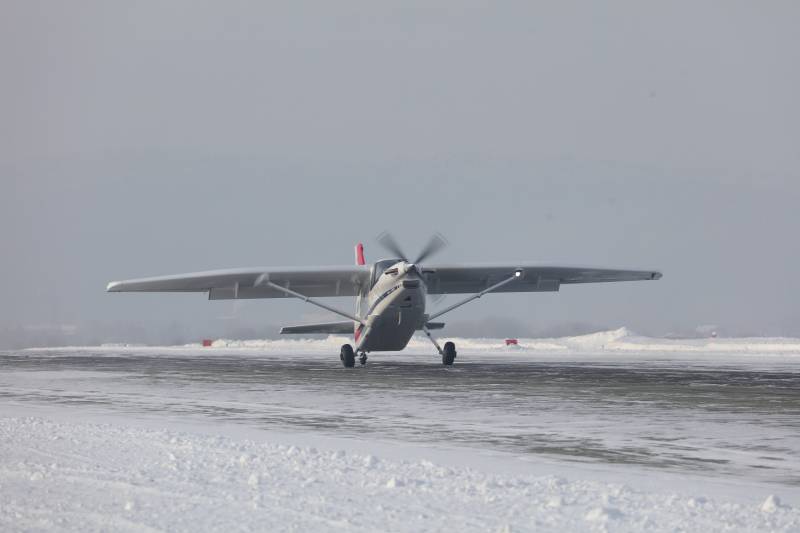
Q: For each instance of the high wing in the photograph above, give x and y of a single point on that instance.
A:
(536, 277)
(240, 282)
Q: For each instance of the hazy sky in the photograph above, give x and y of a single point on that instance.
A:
(145, 138)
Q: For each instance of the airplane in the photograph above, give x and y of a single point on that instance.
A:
(390, 293)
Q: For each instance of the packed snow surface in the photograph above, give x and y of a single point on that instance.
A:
(90, 477)
(604, 432)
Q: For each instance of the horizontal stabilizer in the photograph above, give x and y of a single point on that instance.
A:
(346, 328)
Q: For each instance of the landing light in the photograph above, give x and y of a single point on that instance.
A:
(517, 273)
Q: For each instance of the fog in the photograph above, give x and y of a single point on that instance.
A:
(148, 138)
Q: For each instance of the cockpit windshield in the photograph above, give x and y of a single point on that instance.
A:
(380, 267)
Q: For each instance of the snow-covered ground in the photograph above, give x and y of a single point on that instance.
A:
(86, 477)
(602, 432)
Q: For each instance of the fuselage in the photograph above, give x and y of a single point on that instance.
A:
(393, 309)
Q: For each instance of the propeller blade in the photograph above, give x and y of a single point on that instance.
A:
(435, 244)
(387, 241)
(436, 298)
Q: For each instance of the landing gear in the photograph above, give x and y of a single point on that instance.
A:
(448, 353)
(348, 356)
(363, 358)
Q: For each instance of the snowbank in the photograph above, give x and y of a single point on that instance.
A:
(617, 342)
(92, 477)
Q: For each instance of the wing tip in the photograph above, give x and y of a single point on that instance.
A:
(656, 275)
(114, 286)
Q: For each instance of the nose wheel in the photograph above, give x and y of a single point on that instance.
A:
(362, 358)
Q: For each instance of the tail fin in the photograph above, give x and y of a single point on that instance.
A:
(360, 254)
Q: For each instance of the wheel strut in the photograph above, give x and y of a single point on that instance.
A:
(428, 333)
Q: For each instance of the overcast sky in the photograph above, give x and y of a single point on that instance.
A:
(146, 138)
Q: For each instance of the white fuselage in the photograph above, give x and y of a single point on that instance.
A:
(394, 310)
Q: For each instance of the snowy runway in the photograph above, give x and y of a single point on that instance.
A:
(587, 432)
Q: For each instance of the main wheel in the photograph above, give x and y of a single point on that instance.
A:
(348, 356)
(448, 353)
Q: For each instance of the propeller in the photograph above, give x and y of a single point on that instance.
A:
(388, 242)
(436, 298)
(435, 244)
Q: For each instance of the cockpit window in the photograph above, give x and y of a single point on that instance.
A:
(380, 267)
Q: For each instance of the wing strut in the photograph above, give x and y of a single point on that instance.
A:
(517, 274)
(264, 279)
(428, 333)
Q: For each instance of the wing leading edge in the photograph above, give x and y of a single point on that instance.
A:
(455, 279)
(241, 282)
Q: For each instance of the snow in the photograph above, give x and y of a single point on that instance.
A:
(97, 477)
(620, 340)
(771, 504)
(616, 342)
(605, 432)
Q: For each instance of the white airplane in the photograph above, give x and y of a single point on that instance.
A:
(390, 294)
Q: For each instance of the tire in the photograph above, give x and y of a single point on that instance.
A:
(348, 356)
(448, 353)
